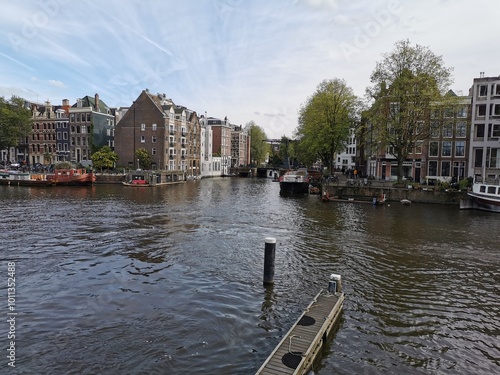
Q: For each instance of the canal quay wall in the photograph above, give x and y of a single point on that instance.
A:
(110, 178)
(425, 194)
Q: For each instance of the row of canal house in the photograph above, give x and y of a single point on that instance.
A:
(174, 136)
(64, 133)
(177, 139)
(464, 141)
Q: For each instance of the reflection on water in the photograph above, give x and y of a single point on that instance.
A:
(168, 280)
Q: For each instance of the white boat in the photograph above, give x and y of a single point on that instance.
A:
(483, 196)
(405, 202)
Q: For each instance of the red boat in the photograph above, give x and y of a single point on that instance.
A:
(71, 177)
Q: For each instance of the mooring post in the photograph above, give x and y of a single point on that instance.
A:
(335, 283)
(269, 257)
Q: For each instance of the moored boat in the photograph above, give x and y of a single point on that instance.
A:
(483, 196)
(17, 178)
(71, 177)
(137, 183)
(61, 177)
(295, 182)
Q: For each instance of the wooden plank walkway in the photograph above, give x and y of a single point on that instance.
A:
(299, 348)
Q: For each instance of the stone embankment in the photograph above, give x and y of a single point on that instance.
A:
(361, 189)
(104, 178)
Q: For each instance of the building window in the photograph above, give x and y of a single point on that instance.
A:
(461, 129)
(153, 151)
(445, 168)
(460, 148)
(448, 131)
(143, 139)
(459, 169)
(433, 148)
(432, 168)
(494, 159)
(481, 110)
(496, 110)
(478, 157)
(496, 89)
(446, 148)
(462, 112)
(479, 130)
(153, 139)
(154, 127)
(418, 147)
(483, 89)
(435, 130)
(495, 130)
(143, 127)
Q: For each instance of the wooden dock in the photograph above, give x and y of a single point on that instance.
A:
(300, 347)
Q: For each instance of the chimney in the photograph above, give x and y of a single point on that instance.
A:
(97, 103)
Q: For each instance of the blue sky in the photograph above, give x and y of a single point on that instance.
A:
(248, 60)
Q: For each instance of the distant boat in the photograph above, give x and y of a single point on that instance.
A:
(405, 202)
(376, 201)
(137, 183)
(295, 182)
(60, 177)
(484, 197)
(71, 177)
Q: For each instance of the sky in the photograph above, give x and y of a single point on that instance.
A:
(249, 60)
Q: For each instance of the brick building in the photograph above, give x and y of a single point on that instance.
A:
(169, 133)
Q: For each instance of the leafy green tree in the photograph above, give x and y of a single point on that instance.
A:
(258, 147)
(324, 122)
(15, 122)
(144, 158)
(408, 84)
(104, 158)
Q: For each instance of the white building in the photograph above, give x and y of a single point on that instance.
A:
(210, 165)
(346, 159)
(484, 145)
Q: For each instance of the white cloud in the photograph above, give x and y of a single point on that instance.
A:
(56, 83)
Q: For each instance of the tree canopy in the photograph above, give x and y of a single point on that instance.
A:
(258, 147)
(324, 122)
(144, 158)
(15, 122)
(407, 83)
(104, 158)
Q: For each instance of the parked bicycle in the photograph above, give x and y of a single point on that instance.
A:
(352, 182)
(332, 179)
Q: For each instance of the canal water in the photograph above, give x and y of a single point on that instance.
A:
(168, 280)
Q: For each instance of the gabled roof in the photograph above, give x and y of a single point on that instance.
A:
(89, 101)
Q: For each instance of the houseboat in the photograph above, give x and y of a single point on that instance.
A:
(295, 182)
(71, 177)
(483, 196)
